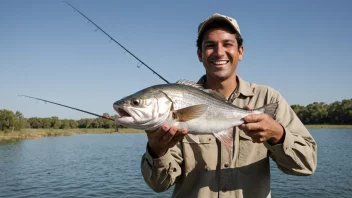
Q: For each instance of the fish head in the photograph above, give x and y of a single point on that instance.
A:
(146, 109)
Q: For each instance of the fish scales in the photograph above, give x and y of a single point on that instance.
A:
(186, 105)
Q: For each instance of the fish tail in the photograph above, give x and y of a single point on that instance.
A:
(269, 109)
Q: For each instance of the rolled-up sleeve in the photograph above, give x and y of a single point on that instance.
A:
(161, 173)
(297, 155)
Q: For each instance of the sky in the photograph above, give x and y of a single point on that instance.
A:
(300, 48)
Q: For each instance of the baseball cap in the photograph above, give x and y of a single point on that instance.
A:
(221, 17)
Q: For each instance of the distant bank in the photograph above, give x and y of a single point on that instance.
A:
(40, 133)
(328, 126)
(14, 136)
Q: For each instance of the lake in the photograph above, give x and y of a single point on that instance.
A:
(108, 165)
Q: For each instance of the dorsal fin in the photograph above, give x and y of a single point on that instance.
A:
(190, 83)
(199, 86)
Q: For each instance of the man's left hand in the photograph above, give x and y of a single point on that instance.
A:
(262, 128)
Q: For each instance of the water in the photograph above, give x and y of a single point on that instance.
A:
(108, 165)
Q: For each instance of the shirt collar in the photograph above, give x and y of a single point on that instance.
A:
(244, 87)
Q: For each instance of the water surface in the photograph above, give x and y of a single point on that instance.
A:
(108, 165)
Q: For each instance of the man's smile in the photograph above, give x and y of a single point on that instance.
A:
(219, 62)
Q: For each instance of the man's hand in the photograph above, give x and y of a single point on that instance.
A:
(160, 140)
(262, 128)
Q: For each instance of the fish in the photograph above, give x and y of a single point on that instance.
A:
(184, 104)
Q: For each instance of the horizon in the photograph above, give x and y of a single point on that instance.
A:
(51, 52)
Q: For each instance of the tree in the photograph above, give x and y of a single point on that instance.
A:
(318, 113)
(346, 111)
(35, 123)
(65, 124)
(55, 122)
(47, 122)
(302, 113)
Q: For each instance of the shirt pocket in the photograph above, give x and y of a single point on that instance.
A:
(199, 155)
(251, 155)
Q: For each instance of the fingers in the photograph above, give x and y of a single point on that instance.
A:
(251, 127)
(254, 118)
(165, 137)
(257, 136)
(177, 137)
(158, 134)
(247, 108)
(168, 135)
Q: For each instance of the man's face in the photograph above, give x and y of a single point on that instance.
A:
(220, 53)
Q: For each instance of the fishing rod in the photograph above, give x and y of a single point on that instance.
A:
(101, 116)
(140, 61)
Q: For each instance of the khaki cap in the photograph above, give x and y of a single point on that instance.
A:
(217, 16)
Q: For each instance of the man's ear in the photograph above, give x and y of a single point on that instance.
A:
(240, 52)
(199, 53)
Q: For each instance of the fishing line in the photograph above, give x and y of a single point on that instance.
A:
(140, 63)
(112, 39)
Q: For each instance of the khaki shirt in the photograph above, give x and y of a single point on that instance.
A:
(209, 169)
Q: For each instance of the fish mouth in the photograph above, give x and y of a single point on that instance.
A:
(121, 111)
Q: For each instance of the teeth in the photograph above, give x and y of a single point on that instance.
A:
(219, 62)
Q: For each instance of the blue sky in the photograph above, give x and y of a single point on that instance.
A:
(300, 48)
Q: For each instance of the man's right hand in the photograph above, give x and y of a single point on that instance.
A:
(160, 140)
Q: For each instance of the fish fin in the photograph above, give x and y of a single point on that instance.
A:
(189, 83)
(225, 137)
(199, 86)
(269, 109)
(192, 138)
(189, 113)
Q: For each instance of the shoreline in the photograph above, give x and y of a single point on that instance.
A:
(24, 134)
(328, 126)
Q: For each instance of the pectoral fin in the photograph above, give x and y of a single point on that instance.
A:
(189, 113)
(225, 137)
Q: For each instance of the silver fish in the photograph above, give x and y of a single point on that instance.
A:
(187, 105)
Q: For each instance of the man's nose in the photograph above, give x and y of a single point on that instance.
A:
(220, 51)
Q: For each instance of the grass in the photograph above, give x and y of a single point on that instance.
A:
(9, 137)
(328, 126)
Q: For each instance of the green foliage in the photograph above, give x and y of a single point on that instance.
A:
(10, 121)
(65, 124)
(321, 113)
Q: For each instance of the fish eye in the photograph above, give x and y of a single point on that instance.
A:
(135, 101)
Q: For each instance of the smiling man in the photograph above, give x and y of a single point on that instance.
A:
(210, 169)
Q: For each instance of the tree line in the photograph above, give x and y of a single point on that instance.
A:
(339, 112)
(10, 121)
(321, 113)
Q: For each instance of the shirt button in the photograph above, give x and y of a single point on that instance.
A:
(226, 165)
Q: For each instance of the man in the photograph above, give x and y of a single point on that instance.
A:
(211, 169)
